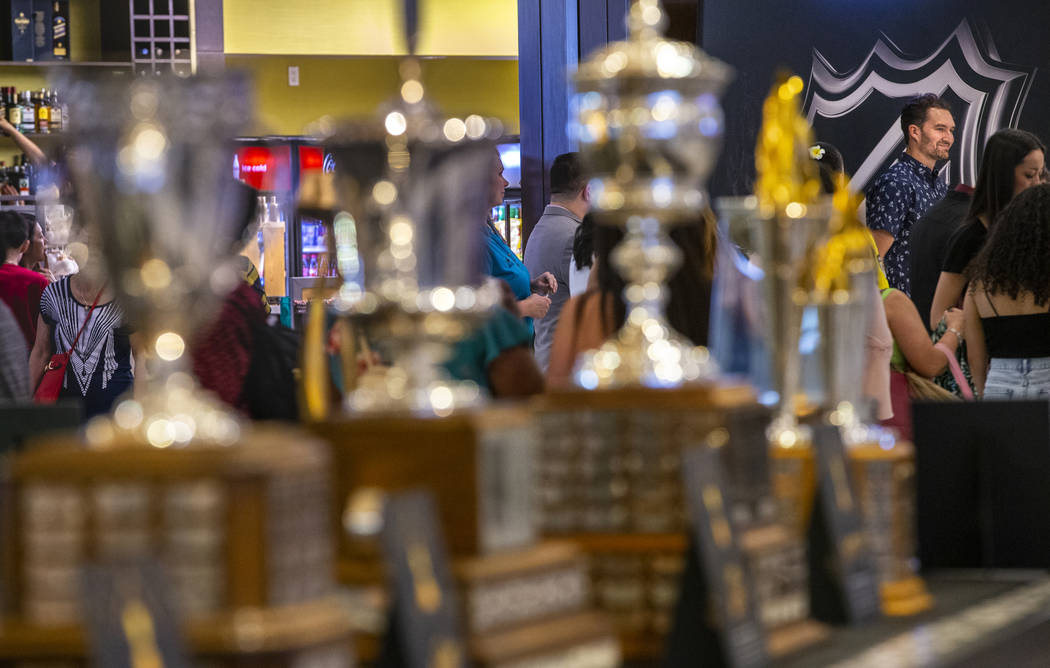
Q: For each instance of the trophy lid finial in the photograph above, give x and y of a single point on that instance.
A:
(646, 19)
(649, 60)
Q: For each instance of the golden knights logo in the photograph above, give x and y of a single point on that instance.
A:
(849, 108)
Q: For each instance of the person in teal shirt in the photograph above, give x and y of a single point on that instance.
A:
(501, 262)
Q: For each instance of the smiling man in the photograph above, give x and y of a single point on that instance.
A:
(902, 193)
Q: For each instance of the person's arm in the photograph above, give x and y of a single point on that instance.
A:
(912, 337)
(976, 350)
(544, 284)
(563, 355)
(883, 241)
(24, 144)
(41, 353)
(949, 289)
(534, 306)
(885, 212)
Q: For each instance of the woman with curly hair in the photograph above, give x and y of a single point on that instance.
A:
(1013, 161)
(1007, 306)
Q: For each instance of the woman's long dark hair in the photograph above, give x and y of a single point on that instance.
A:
(995, 184)
(688, 309)
(1016, 257)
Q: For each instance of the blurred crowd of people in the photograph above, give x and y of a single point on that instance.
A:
(960, 304)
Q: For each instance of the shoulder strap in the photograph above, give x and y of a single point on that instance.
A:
(86, 317)
(988, 298)
(957, 373)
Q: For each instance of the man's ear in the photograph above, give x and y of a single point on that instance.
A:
(585, 194)
(24, 247)
(914, 133)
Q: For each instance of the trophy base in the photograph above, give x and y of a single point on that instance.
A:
(173, 411)
(532, 602)
(384, 391)
(633, 360)
(477, 464)
(904, 598)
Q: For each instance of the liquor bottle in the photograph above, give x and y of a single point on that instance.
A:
(43, 113)
(23, 179)
(56, 112)
(60, 29)
(14, 110)
(28, 113)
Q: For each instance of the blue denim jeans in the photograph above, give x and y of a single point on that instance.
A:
(1018, 378)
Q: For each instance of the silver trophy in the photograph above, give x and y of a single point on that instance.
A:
(780, 246)
(409, 244)
(150, 161)
(649, 126)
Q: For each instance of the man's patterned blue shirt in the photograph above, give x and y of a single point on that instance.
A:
(899, 196)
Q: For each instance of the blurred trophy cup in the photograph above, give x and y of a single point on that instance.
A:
(410, 255)
(150, 164)
(883, 467)
(412, 190)
(649, 124)
(237, 518)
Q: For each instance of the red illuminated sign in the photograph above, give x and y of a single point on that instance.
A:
(264, 167)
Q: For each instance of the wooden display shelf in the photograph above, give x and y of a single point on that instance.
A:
(245, 631)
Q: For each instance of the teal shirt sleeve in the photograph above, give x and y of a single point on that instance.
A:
(472, 356)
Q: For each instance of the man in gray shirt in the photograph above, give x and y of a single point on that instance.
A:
(549, 247)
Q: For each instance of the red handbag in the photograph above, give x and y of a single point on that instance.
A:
(55, 372)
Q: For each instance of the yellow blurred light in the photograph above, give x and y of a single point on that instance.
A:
(384, 192)
(396, 124)
(412, 91)
(156, 274)
(455, 129)
(160, 433)
(169, 346)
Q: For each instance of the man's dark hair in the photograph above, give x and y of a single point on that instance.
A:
(13, 231)
(567, 175)
(914, 113)
(1004, 151)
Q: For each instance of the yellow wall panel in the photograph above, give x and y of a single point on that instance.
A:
(346, 87)
(369, 27)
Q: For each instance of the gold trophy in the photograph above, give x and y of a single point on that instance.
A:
(782, 225)
(883, 468)
(649, 125)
